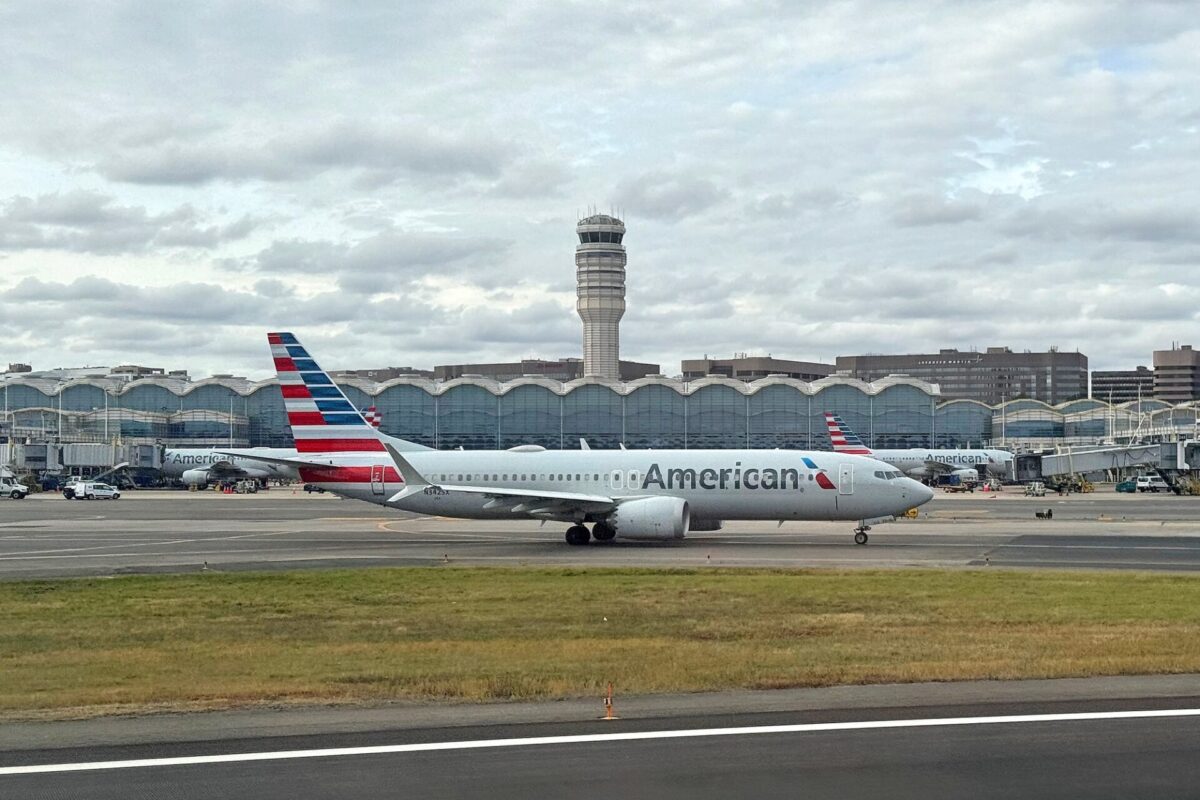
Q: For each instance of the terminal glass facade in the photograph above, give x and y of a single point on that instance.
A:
(655, 413)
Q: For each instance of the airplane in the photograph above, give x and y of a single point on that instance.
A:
(201, 466)
(657, 495)
(923, 464)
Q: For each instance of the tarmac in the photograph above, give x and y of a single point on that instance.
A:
(1108, 737)
(1104, 737)
(46, 536)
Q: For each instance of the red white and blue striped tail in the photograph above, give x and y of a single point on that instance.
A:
(844, 440)
(321, 418)
(372, 416)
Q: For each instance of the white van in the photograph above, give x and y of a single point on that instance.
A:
(1151, 483)
(88, 490)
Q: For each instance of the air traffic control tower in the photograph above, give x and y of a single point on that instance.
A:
(600, 292)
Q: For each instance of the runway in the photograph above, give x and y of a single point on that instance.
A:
(1130, 747)
(162, 532)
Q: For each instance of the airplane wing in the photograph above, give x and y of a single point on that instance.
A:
(295, 461)
(535, 503)
(519, 501)
(225, 469)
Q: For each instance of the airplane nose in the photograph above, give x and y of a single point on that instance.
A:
(917, 492)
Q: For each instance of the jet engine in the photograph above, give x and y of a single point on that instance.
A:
(658, 518)
(195, 477)
(966, 475)
(704, 525)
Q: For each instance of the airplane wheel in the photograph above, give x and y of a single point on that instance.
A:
(602, 532)
(860, 537)
(578, 535)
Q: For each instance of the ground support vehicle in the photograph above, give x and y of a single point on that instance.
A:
(12, 488)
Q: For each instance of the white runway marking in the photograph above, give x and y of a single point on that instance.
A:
(154, 543)
(543, 741)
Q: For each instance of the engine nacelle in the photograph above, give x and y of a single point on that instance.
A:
(195, 477)
(651, 518)
(966, 475)
(705, 525)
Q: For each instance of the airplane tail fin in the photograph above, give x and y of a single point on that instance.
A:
(322, 419)
(844, 440)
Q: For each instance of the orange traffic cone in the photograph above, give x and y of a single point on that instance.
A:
(608, 704)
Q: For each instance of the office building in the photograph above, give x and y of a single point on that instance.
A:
(563, 369)
(750, 368)
(992, 376)
(1177, 374)
(1123, 385)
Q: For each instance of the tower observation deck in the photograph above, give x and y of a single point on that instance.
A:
(600, 292)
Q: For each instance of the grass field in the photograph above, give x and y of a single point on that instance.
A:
(73, 647)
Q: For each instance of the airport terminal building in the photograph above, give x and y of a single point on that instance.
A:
(746, 402)
(651, 412)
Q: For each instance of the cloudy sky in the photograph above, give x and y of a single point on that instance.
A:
(399, 183)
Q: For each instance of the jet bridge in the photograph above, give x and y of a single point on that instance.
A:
(1158, 456)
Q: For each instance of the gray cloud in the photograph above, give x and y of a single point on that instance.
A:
(384, 262)
(922, 209)
(808, 179)
(660, 194)
(90, 222)
(1138, 223)
(378, 153)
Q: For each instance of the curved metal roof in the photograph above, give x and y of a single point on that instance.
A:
(245, 388)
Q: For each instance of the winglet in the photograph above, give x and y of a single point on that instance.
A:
(583, 445)
(413, 481)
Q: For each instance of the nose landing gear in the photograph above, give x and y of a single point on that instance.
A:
(860, 534)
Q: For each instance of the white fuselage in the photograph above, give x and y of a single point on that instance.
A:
(219, 466)
(717, 484)
(915, 462)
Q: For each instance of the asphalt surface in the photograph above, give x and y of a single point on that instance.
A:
(149, 532)
(1060, 757)
(971, 757)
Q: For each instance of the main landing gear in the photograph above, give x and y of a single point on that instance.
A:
(579, 535)
(860, 534)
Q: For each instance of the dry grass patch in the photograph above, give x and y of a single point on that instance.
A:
(497, 634)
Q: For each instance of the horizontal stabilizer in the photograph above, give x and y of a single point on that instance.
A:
(295, 461)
